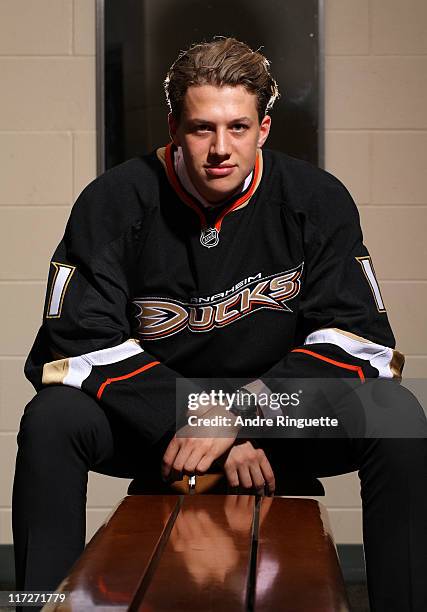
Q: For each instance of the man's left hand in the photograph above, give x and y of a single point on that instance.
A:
(248, 467)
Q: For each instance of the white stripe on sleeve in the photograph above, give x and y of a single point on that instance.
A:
(379, 356)
(79, 368)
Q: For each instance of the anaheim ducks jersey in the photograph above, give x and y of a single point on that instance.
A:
(148, 286)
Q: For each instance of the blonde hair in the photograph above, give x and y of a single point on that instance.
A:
(222, 61)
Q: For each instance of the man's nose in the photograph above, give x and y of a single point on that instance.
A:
(220, 145)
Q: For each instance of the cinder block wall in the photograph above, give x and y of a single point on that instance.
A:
(376, 142)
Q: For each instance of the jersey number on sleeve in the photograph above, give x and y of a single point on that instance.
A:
(61, 278)
(368, 270)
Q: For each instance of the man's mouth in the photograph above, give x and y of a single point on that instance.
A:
(219, 171)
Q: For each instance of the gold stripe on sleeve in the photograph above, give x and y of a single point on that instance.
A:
(396, 364)
(55, 372)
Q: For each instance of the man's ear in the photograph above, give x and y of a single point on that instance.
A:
(173, 129)
(264, 130)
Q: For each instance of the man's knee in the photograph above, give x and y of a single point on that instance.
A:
(57, 415)
(391, 411)
(397, 461)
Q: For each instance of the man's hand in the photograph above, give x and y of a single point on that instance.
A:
(249, 467)
(192, 455)
(187, 454)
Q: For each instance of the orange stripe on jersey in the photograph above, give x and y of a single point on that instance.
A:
(192, 202)
(339, 364)
(185, 197)
(111, 380)
(243, 198)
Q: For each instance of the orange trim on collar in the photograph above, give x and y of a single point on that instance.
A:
(243, 198)
(190, 201)
(174, 181)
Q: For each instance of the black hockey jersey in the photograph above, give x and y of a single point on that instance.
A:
(147, 285)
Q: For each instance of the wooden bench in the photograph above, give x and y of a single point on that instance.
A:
(209, 552)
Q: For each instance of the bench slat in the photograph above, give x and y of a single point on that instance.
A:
(204, 566)
(113, 563)
(297, 563)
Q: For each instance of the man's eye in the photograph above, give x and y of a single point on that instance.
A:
(240, 127)
(203, 128)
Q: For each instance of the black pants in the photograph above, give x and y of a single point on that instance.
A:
(64, 434)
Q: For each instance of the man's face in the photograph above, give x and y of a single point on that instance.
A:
(219, 132)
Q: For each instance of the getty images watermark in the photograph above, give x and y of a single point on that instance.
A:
(302, 408)
(246, 409)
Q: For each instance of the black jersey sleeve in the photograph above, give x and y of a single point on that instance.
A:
(85, 340)
(343, 329)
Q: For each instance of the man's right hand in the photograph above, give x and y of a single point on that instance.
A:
(187, 454)
(248, 467)
(192, 455)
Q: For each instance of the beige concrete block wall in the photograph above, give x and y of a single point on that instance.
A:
(376, 139)
(376, 143)
(47, 155)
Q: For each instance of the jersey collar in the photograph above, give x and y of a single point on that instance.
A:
(186, 183)
(239, 200)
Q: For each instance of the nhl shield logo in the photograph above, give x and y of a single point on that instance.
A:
(209, 237)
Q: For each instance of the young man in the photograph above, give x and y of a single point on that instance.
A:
(213, 258)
